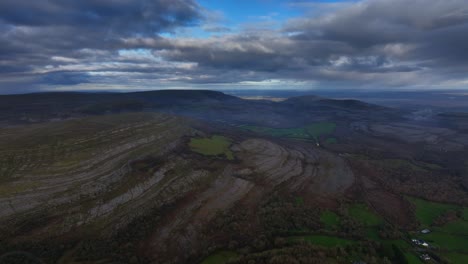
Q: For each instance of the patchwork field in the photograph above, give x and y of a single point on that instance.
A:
(449, 228)
(427, 212)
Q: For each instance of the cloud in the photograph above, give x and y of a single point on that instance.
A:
(35, 31)
(370, 43)
(114, 17)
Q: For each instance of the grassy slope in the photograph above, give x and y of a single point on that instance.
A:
(216, 145)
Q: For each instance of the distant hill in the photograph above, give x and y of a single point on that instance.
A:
(200, 104)
(317, 101)
(40, 106)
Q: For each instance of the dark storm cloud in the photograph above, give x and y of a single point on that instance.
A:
(34, 31)
(373, 43)
(114, 17)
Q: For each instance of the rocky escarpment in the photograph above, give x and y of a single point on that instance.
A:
(263, 166)
(310, 169)
(100, 180)
(91, 178)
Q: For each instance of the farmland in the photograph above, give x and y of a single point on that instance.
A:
(427, 212)
(451, 237)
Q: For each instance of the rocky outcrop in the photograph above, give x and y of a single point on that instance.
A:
(301, 169)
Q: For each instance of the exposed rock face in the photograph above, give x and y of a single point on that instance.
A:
(89, 185)
(312, 170)
(434, 138)
(182, 230)
(264, 166)
(101, 187)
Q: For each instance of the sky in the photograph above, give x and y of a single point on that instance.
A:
(132, 45)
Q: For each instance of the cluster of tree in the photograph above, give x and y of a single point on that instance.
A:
(443, 185)
(286, 215)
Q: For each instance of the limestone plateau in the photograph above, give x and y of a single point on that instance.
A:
(205, 177)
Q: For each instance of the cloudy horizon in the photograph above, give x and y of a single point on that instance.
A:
(130, 45)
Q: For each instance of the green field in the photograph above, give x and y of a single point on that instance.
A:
(389, 247)
(412, 259)
(214, 146)
(457, 257)
(330, 219)
(220, 257)
(427, 212)
(362, 214)
(451, 242)
(278, 132)
(465, 213)
(451, 238)
(459, 227)
(309, 132)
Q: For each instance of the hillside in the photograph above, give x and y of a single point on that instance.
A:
(200, 179)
